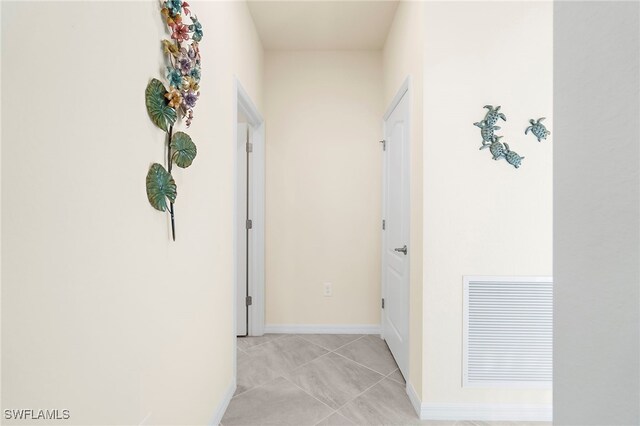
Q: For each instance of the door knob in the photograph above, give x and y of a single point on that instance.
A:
(402, 250)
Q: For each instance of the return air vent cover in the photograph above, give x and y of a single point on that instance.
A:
(508, 331)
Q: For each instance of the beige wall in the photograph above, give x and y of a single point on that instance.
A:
(403, 56)
(482, 217)
(323, 113)
(101, 313)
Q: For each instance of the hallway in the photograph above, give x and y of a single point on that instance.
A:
(320, 379)
(317, 379)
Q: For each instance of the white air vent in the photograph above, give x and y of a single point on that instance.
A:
(508, 331)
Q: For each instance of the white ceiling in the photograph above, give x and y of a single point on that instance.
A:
(323, 25)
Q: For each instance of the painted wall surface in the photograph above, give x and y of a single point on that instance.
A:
(403, 57)
(597, 213)
(101, 313)
(482, 217)
(323, 114)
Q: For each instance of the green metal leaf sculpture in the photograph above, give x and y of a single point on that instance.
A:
(160, 186)
(184, 149)
(157, 105)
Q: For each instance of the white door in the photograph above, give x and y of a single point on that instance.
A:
(395, 237)
(242, 245)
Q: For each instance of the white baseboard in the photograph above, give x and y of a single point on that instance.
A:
(488, 412)
(322, 328)
(224, 403)
(480, 412)
(415, 400)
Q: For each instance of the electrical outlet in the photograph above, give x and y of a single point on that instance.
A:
(328, 290)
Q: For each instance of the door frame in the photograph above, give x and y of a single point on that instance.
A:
(244, 103)
(404, 90)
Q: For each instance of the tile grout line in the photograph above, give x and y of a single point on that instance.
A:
(333, 410)
(384, 376)
(281, 336)
(314, 344)
(288, 336)
(286, 375)
(345, 357)
(394, 361)
(271, 370)
(397, 381)
(325, 418)
(255, 387)
(318, 357)
(338, 414)
(283, 376)
(330, 350)
(346, 344)
(309, 362)
(259, 386)
(362, 393)
(291, 336)
(357, 396)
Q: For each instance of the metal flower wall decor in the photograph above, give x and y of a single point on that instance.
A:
(167, 106)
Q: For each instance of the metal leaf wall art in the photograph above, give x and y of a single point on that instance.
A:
(167, 106)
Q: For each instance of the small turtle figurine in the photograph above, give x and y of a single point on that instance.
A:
(487, 131)
(496, 148)
(512, 157)
(492, 115)
(538, 129)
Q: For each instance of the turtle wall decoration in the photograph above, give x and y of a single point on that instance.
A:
(486, 131)
(512, 157)
(496, 148)
(490, 140)
(499, 149)
(493, 115)
(167, 106)
(538, 129)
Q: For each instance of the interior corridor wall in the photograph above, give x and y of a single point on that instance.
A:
(596, 359)
(482, 217)
(102, 314)
(323, 112)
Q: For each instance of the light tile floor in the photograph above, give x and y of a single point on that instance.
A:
(322, 379)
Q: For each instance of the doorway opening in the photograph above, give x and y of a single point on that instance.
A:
(249, 216)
